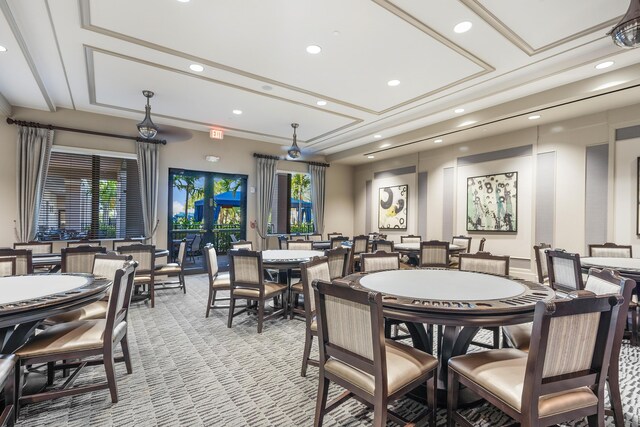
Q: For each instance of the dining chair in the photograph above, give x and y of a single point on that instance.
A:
(434, 253)
(600, 282)
(410, 238)
(336, 241)
(80, 259)
(332, 235)
(360, 246)
(193, 246)
(355, 355)
(94, 243)
(218, 282)
(611, 250)
(242, 244)
(145, 256)
(563, 374)
(104, 265)
(316, 269)
(481, 244)
(465, 243)
(565, 271)
(126, 241)
(382, 245)
(299, 245)
(315, 237)
(380, 261)
(484, 262)
(338, 262)
(174, 269)
(23, 257)
(35, 247)
(7, 266)
(541, 262)
(247, 283)
(8, 387)
(82, 341)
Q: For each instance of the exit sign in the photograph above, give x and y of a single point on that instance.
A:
(216, 134)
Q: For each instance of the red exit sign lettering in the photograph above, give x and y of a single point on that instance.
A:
(216, 134)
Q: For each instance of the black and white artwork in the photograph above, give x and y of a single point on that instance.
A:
(392, 207)
(492, 202)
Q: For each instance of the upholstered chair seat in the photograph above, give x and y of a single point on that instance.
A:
(7, 385)
(501, 372)
(222, 281)
(270, 289)
(297, 287)
(404, 364)
(95, 310)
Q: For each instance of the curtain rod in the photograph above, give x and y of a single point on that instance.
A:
(88, 132)
(266, 156)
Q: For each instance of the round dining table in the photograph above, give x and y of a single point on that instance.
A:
(413, 248)
(463, 302)
(27, 300)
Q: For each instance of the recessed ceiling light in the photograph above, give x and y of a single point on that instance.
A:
(437, 141)
(184, 1)
(377, 136)
(196, 67)
(313, 49)
(463, 27)
(237, 112)
(603, 65)
(321, 103)
(385, 145)
(458, 110)
(534, 117)
(393, 82)
(370, 157)
(212, 158)
(467, 123)
(3, 49)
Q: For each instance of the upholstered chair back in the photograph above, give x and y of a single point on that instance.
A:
(611, 250)
(360, 244)
(316, 269)
(338, 259)
(463, 241)
(380, 261)
(242, 244)
(246, 268)
(80, 259)
(144, 255)
(211, 257)
(541, 261)
(119, 300)
(35, 247)
(79, 243)
(382, 245)
(434, 254)
(410, 239)
(24, 259)
(7, 266)
(336, 241)
(316, 237)
(565, 271)
(300, 245)
(484, 262)
(332, 235)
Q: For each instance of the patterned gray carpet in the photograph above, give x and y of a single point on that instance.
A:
(192, 371)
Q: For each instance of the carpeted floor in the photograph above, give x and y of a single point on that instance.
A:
(192, 371)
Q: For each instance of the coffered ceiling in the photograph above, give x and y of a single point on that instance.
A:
(97, 55)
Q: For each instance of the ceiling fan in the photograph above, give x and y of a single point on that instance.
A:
(148, 130)
(294, 151)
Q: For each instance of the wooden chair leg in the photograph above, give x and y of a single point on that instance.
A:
(50, 373)
(452, 397)
(232, 303)
(496, 338)
(19, 372)
(183, 283)
(125, 352)
(308, 341)
(212, 297)
(109, 370)
(152, 291)
(260, 315)
(380, 413)
(432, 393)
(321, 401)
(10, 398)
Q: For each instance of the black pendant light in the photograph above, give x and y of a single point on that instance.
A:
(146, 128)
(627, 32)
(294, 150)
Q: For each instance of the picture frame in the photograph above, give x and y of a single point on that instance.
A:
(392, 207)
(492, 203)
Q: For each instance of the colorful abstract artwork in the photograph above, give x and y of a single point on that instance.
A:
(492, 202)
(392, 207)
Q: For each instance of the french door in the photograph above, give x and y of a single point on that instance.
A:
(205, 207)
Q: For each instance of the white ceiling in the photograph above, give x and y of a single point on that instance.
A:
(98, 56)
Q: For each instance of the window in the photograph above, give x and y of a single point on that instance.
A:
(90, 196)
(291, 209)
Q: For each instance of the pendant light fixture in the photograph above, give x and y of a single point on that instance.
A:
(146, 128)
(627, 32)
(294, 150)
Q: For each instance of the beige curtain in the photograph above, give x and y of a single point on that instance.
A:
(317, 174)
(148, 158)
(34, 150)
(265, 180)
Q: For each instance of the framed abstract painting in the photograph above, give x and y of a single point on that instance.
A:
(492, 202)
(392, 207)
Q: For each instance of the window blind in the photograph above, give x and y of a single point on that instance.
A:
(90, 196)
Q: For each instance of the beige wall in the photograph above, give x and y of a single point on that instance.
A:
(569, 140)
(236, 157)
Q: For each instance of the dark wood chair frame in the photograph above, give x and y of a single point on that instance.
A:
(387, 243)
(534, 384)
(481, 244)
(315, 235)
(409, 237)
(107, 353)
(332, 235)
(336, 242)
(309, 315)
(337, 252)
(19, 253)
(83, 242)
(307, 242)
(467, 238)
(379, 254)
(211, 301)
(9, 260)
(127, 241)
(609, 245)
(577, 269)
(33, 242)
(259, 303)
(79, 250)
(235, 245)
(355, 254)
(181, 283)
(433, 243)
(376, 367)
(537, 249)
(151, 282)
(8, 387)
